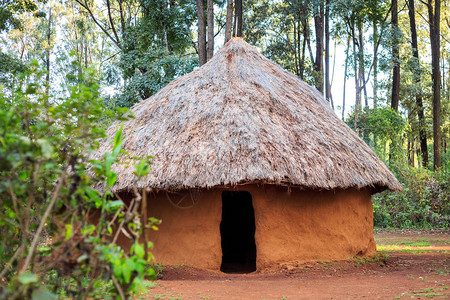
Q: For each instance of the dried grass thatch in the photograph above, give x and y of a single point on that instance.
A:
(241, 118)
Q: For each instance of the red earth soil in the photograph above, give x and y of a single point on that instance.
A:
(416, 274)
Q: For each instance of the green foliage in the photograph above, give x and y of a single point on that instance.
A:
(9, 9)
(153, 50)
(10, 65)
(50, 190)
(382, 128)
(383, 122)
(147, 71)
(424, 202)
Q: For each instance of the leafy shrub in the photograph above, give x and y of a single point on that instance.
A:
(424, 202)
(49, 193)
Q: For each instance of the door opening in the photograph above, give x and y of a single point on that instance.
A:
(237, 230)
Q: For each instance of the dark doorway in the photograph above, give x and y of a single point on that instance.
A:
(237, 230)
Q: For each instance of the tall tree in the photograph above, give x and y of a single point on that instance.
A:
(395, 97)
(417, 81)
(201, 32)
(375, 62)
(47, 51)
(434, 21)
(229, 21)
(327, 53)
(319, 28)
(210, 20)
(238, 18)
(361, 63)
(347, 51)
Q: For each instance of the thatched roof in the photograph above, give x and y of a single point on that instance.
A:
(241, 118)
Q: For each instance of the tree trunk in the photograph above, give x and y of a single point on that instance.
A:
(229, 21)
(318, 63)
(345, 76)
(296, 52)
(375, 64)
(305, 39)
(411, 141)
(238, 18)
(327, 53)
(357, 84)
(419, 102)
(362, 71)
(210, 20)
(395, 59)
(434, 20)
(47, 52)
(201, 33)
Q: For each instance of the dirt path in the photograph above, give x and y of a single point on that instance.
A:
(418, 267)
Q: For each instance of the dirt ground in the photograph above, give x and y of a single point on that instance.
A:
(410, 264)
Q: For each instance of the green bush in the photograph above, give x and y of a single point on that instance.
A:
(424, 202)
(49, 190)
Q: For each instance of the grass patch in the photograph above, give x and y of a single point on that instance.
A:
(381, 258)
(427, 292)
(442, 270)
(418, 244)
(418, 248)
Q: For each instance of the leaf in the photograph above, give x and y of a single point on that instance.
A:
(139, 250)
(112, 177)
(151, 274)
(142, 168)
(114, 204)
(24, 175)
(92, 194)
(28, 278)
(118, 141)
(118, 136)
(68, 231)
(118, 270)
(43, 294)
(109, 160)
(82, 258)
(150, 244)
(127, 270)
(46, 148)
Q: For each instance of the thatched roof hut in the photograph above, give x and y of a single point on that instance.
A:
(241, 118)
(238, 130)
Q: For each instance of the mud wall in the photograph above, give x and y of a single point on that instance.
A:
(300, 226)
(291, 226)
(189, 236)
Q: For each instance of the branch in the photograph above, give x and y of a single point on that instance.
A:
(11, 261)
(428, 22)
(15, 206)
(86, 7)
(122, 19)
(376, 47)
(123, 222)
(118, 287)
(43, 220)
(111, 21)
(423, 2)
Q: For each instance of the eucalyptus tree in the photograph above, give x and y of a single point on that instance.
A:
(395, 96)
(434, 19)
(417, 74)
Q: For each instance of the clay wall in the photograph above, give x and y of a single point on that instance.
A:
(291, 226)
(300, 226)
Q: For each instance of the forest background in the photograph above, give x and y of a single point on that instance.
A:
(70, 67)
